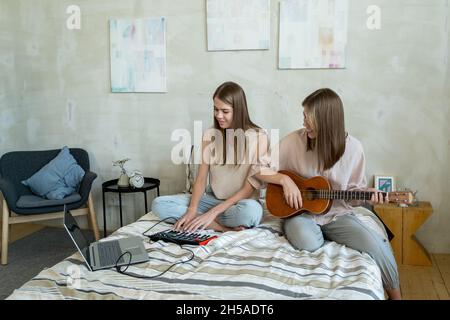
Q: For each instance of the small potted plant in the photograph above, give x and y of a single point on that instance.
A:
(123, 181)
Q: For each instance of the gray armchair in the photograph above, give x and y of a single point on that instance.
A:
(20, 205)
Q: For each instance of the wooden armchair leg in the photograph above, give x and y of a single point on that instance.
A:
(5, 233)
(93, 218)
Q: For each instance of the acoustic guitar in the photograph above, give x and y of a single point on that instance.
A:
(318, 196)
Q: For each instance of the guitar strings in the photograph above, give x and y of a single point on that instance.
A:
(338, 194)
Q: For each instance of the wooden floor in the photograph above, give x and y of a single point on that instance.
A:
(426, 283)
(19, 231)
(417, 283)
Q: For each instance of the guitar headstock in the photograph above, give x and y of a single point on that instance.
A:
(405, 197)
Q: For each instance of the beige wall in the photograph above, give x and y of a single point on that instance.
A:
(55, 90)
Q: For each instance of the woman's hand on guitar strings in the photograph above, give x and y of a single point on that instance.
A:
(377, 197)
(292, 194)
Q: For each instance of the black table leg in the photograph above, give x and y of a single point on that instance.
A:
(104, 214)
(145, 197)
(120, 207)
(158, 191)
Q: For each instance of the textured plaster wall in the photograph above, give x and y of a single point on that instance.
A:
(55, 91)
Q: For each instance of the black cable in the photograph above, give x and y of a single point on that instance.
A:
(119, 270)
(152, 277)
(159, 221)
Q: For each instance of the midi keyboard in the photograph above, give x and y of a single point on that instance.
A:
(192, 238)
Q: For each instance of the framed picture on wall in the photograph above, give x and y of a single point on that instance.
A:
(138, 55)
(313, 34)
(384, 183)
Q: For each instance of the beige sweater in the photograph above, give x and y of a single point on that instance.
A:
(347, 174)
(226, 180)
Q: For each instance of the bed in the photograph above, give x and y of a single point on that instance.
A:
(253, 264)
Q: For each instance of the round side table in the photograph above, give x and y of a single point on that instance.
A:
(111, 186)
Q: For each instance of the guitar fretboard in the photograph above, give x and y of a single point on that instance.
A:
(339, 194)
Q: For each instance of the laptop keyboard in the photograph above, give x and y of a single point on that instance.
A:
(109, 252)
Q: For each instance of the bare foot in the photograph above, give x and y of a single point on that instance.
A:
(394, 294)
(220, 228)
(225, 229)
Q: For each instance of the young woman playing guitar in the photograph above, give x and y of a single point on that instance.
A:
(323, 148)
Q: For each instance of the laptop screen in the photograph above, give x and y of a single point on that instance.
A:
(75, 233)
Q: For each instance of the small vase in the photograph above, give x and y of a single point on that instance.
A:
(123, 181)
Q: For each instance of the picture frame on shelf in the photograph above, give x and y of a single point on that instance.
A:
(384, 183)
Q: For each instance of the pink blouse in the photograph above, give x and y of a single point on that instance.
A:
(347, 174)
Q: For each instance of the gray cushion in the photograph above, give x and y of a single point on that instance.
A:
(58, 178)
(32, 201)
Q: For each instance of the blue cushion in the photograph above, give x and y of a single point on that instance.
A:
(31, 201)
(58, 178)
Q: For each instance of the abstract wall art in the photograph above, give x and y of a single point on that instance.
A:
(138, 55)
(238, 25)
(313, 34)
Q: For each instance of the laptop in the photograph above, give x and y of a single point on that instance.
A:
(104, 255)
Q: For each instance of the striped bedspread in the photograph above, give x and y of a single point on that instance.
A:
(252, 264)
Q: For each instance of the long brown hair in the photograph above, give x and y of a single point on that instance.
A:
(231, 93)
(325, 110)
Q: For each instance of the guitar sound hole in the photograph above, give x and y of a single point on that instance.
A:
(310, 194)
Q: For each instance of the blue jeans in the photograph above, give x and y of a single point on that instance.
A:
(304, 234)
(246, 212)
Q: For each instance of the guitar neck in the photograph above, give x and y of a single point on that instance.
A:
(340, 194)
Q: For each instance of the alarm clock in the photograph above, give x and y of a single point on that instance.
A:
(136, 179)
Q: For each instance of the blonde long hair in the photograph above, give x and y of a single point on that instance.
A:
(325, 110)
